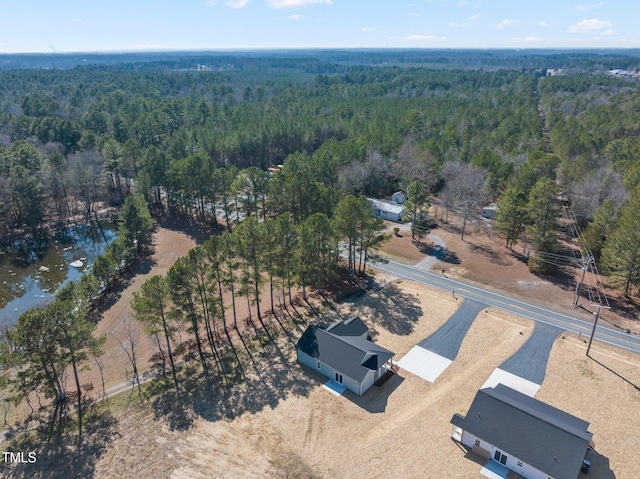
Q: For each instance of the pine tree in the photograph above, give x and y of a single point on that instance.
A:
(621, 252)
(511, 215)
(150, 307)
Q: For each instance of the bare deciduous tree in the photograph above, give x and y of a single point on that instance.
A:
(128, 345)
(464, 189)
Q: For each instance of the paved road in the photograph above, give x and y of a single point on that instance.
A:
(530, 361)
(446, 341)
(562, 321)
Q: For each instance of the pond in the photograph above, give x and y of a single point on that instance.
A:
(32, 270)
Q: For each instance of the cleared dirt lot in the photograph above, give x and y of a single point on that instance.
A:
(398, 430)
(483, 259)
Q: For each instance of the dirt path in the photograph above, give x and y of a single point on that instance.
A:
(168, 246)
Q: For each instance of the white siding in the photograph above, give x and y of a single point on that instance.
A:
(368, 381)
(329, 372)
(386, 215)
(313, 364)
(526, 470)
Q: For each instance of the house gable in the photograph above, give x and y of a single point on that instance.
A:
(544, 437)
(347, 352)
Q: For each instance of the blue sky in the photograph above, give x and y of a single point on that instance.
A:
(116, 25)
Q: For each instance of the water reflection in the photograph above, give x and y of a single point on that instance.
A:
(31, 271)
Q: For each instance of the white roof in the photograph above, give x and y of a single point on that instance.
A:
(388, 206)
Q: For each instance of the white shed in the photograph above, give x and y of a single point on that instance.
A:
(399, 197)
(490, 211)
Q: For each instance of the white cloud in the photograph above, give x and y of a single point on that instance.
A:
(526, 39)
(365, 29)
(609, 32)
(543, 24)
(413, 14)
(584, 8)
(295, 3)
(237, 3)
(589, 26)
(295, 17)
(503, 24)
(477, 16)
(422, 38)
(211, 3)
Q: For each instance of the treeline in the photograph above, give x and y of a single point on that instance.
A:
(595, 128)
(80, 139)
(202, 291)
(200, 295)
(330, 61)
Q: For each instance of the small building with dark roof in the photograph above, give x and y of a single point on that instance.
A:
(535, 440)
(342, 352)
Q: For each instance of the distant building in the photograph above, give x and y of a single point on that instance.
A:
(274, 171)
(399, 197)
(490, 211)
(535, 440)
(387, 210)
(342, 352)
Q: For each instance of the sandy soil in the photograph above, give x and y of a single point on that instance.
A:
(168, 246)
(280, 422)
(399, 430)
(483, 259)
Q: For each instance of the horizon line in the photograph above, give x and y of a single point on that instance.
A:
(293, 49)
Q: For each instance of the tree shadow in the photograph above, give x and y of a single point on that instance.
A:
(60, 457)
(626, 307)
(274, 377)
(388, 307)
(563, 276)
(112, 294)
(446, 256)
(430, 249)
(494, 257)
(186, 224)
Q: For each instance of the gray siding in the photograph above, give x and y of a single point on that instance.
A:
(329, 372)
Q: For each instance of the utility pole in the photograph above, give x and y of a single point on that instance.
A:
(586, 261)
(593, 331)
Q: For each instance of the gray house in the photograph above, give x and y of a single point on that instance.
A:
(342, 352)
(535, 440)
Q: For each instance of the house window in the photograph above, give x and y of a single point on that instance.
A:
(318, 364)
(500, 457)
(520, 463)
(478, 442)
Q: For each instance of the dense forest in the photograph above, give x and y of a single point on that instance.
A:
(201, 136)
(193, 131)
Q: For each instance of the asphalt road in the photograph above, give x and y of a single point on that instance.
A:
(564, 322)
